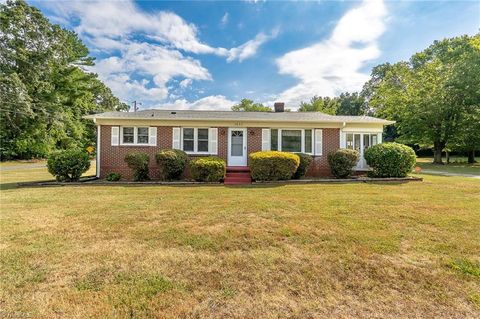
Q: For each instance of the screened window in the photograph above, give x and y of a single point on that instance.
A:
(128, 135)
(202, 140)
(188, 139)
(142, 135)
(274, 140)
(308, 141)
(134, 135)
(195, 140)
(291, 140)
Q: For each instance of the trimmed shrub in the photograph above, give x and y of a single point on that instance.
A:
(68, 165)
(138, 162)
(273, 165)
(113, 177)
(342, 162)
(208, 169)
(172, 163)
(305, 161)
(390, 160)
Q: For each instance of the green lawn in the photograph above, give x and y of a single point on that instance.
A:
(458, 166)
(399, 250)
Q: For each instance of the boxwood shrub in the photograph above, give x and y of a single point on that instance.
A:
(342, 162)
(208, 169)
(138, 162)
(390, 160)
(68, 165)
(172, 163)
(113, 177)
(305, 161)
(273, 165)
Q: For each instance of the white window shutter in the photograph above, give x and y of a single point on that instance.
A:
(176, 138)
(265, 139)
(379, 138)
(213, 140)
(152, 136)
(318, 142)
(115, 135)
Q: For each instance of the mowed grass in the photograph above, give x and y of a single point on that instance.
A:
(457, 166)
(286, 251)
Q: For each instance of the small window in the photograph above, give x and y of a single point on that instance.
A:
(274, 139)
(142, 135)
(188, 139)
(128, 135)
(350, 141)
(202, 145)
(291, 140)
(308, 141)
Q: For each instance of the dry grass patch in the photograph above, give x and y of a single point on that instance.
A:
(309, 251)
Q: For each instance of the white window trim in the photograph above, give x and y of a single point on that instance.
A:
(279, 138)
(195, 140)
(135, 135)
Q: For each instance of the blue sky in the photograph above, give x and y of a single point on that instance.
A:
(209, 55)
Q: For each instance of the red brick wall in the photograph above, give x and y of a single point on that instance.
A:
(331, 142)
(112, 157)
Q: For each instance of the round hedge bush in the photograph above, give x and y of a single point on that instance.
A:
(305, 161)
(68, 165)
(273, 165)
(208, 169)
(138, 162)
(113, 177)
(390, 160)
(172, 163)
(342, 162)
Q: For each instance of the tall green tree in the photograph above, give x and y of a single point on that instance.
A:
(351, 104)
(325, 105)
(44, 90)
(431, 95)
(247, 105)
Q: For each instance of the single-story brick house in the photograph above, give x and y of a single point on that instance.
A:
(230, 135)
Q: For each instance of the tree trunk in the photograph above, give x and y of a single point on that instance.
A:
(447, 156)
(437, 152)
(471, 157)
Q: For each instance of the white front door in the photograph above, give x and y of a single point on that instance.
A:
(237, 147)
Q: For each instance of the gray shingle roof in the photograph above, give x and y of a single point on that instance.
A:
(237, 116)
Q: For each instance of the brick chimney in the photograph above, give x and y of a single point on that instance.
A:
(279, 107)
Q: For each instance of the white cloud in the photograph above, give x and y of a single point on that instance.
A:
(149, 49)
(333, 65)
(224, 20)
(250, 48)
(185, 83)
(147, 61)
(213, 102)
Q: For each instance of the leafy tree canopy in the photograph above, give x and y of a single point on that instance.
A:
(434, 97)
(325, 105)
(247, 105)
(44, 87)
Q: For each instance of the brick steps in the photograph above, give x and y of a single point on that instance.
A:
(237, 175)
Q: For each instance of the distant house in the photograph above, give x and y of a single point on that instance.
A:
(230, 135)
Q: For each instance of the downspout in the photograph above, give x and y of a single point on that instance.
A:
(99, 132)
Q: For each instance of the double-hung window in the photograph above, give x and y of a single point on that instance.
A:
(195, 140)
(292, 140)
(134, 135)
